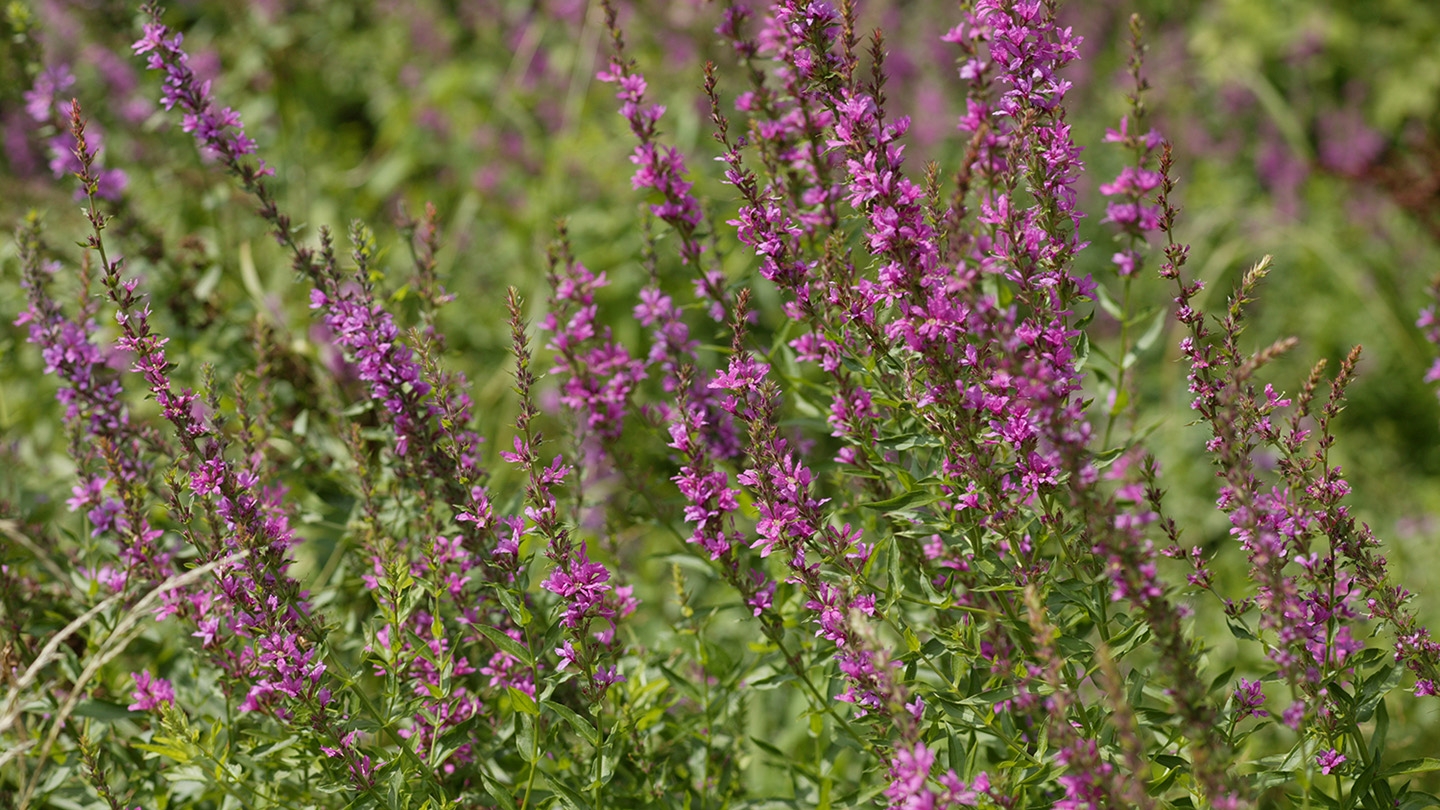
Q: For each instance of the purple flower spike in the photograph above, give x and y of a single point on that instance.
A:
(151, 693)
(1249, 697)
(219, 131)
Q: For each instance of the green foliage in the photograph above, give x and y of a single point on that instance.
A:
(490, 112)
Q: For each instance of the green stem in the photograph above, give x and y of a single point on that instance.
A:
(1124, 352)
(599, 751)
(535, 736)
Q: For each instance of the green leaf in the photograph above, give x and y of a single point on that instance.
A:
(921, 496)
(507, 644)
(1375, 688)
(608, 759)
(1409, 766)
(1381, 796)
(908, 441)
(1082, 351)
(1223, 679)
(525, 732)
(580, 724)
(1073, 648)
(523, 702)
(102, 710)
(571, 796)
(770, 749)
(1382, 730)
(1416, 801)
(166, 748)
(499, 792)
(517, 611)
(1125, 642)
(1107, 303)
(1153, 333)
(990, 697)
(1239, 630)
(1105, 459)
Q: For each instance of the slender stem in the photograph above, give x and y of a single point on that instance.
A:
(599, 750)
(1120, 369)
(535, 735)
(534, 756)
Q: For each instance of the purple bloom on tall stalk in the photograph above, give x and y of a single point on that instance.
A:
(151, 693)
(46, 105)
(256, 599)
(428, 409)
(711, 501)
(43, 99)
(1429, 324)
(788, 122)
(219, 130)
(1135, 215)
(1249, 698)
(1087, 787)
(110, 450)
(583, 585)
(598, 375)
(657, 166)
(910, 787)
(663, 169)
(792, 520)
(673, 348)
(369, 334)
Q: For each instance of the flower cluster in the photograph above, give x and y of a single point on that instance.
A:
(909, 783)
(896, 500)
(657, 166)
(219, 130)
(792, 520)
(108, 445)
(254, 599)
(45, 104)
(368, 333)
(1134, 215)
(150, 693)
(583, 585)
(599, 374)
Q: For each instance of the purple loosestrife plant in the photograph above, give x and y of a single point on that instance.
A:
(434, 422)
(599, 374)
(46, 104)
(282, 660)
(660, 167)
(587, 599)
(428, 411)
(919, 546)
(108, 446)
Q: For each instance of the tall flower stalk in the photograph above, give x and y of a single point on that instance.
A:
(920, 548)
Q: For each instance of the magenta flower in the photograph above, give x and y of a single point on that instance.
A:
(1329, 761)
(1249, 697)
(219, 131)
(581, 584)
(910, 788)
(598, 375)
(151, 693)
